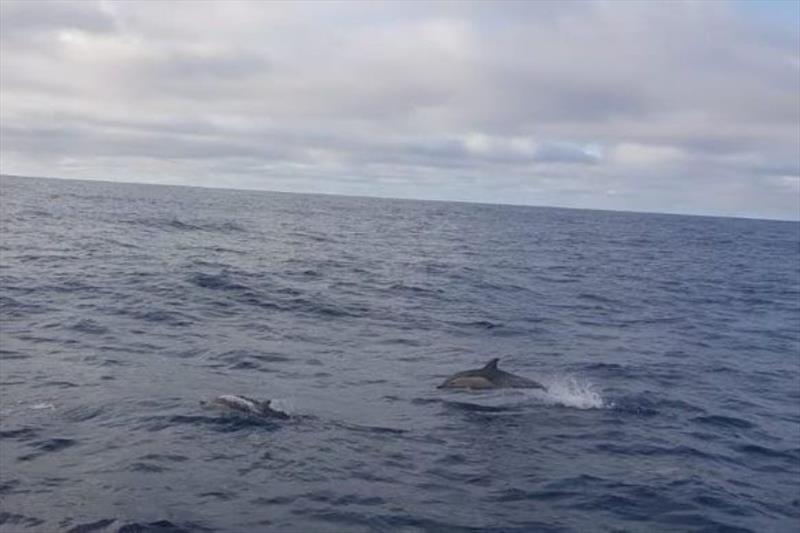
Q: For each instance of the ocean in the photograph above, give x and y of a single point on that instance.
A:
(669, 346)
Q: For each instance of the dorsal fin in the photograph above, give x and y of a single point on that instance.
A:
(491, 365)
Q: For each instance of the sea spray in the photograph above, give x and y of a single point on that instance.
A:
(570, 391)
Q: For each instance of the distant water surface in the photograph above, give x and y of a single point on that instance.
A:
(670, 346)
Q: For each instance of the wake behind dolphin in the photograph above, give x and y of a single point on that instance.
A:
(489, 377)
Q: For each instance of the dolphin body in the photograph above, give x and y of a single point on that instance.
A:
(246, 406)
(489, 377)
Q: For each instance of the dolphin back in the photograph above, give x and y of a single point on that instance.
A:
(513, 381)
(487, 377)
(234, 403)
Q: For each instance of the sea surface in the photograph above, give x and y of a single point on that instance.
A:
(670, 346)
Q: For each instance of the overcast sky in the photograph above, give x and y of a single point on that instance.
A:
(654, 106)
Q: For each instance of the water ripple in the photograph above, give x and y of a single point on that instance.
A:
(667, 345)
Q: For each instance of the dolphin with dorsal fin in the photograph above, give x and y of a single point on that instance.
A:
(489, 377)
(233, 403)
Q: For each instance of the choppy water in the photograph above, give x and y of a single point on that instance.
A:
(670, 346)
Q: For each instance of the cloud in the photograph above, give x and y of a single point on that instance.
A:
(648, 155)
(634, 105)
(30, 18)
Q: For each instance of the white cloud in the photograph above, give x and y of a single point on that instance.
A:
(532, 102)
(646, 155)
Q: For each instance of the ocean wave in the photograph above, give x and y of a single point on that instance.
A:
(724, 421)
(176, 224)
(668, 360)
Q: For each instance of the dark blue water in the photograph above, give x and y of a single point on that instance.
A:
(670, 346)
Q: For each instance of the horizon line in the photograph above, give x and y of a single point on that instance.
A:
(378, 197)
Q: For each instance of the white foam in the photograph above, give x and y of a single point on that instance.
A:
(42, 405)
(285, 405)
(570, 391)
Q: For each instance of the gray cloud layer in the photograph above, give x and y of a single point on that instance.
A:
(664, 106)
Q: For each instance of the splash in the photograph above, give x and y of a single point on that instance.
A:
(285, 405)
(571, 392)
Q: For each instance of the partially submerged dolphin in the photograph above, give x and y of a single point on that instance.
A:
(488, 377)
(246, 406)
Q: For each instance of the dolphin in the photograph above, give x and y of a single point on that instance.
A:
(488, 377)
(246, 406)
